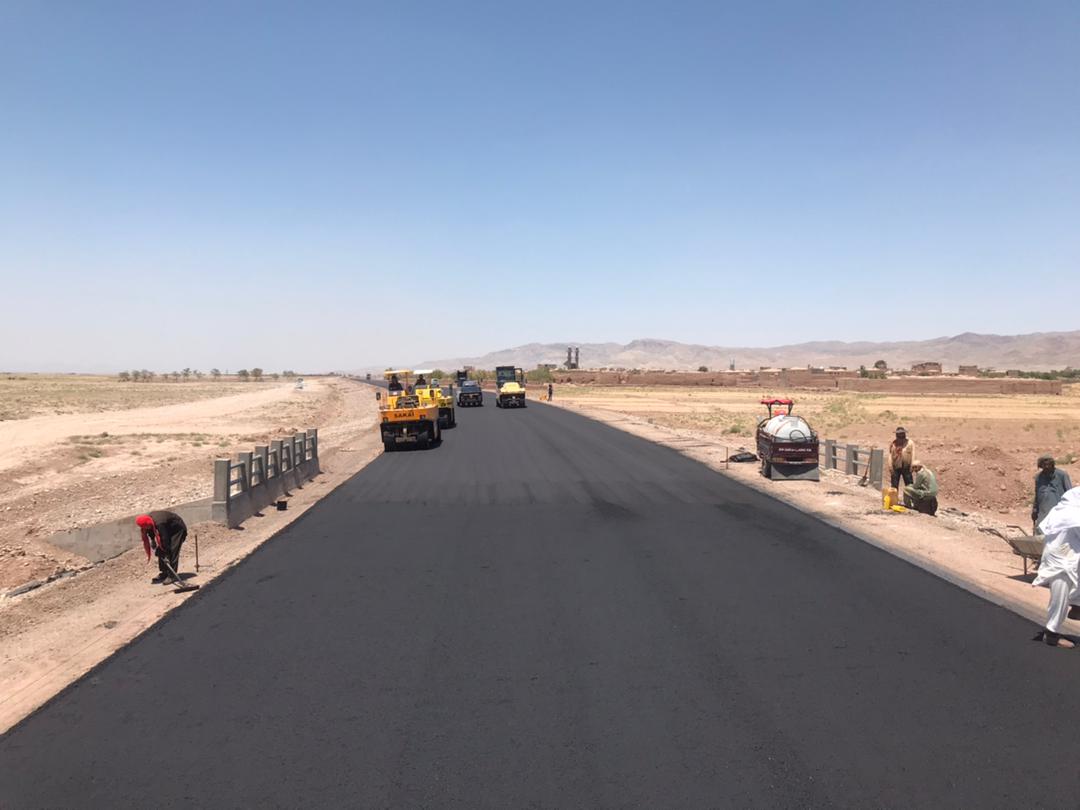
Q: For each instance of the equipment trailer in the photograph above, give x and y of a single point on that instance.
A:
(786, 444)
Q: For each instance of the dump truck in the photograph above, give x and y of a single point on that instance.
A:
(429, 389)
(403, 418)
(786, 444)
(509, 387)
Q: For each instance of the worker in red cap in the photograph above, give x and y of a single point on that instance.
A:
(164, 532)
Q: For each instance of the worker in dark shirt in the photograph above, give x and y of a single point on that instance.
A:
(1050, 485)
(551, 392)
(164, 532)
(394, 387)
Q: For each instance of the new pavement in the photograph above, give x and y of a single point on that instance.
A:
(547, 612)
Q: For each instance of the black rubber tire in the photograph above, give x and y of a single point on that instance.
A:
(388, 447)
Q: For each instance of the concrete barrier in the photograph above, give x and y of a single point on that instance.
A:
(256, 479)
(854, 460)
(241, 488)
(103, 541)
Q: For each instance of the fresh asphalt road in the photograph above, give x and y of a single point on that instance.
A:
(547, 612)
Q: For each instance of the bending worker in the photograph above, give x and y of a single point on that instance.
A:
(901, 453)
(922, 494)
(165, 532)
(1050, 484)
(1058, 569)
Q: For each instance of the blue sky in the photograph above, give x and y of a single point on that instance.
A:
(323, 185)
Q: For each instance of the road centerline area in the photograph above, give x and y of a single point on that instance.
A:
(545, 611)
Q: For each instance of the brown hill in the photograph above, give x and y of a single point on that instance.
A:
(1040, 351)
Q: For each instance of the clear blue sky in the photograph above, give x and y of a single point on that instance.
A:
(325, 185)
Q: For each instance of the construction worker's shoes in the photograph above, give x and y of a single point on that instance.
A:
(159, 579)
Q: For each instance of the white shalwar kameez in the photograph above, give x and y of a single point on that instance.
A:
(1059, 569)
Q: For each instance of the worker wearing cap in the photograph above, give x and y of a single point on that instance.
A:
(901, 454)
(164, 532)
(1050, 484)
(922, 494)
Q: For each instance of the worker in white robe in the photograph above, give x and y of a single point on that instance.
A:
(1059, 569)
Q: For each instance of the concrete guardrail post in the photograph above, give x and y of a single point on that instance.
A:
(877, 467)
(243, 462)
(313, 442)
(830, 454)
(222, 467)
(262, 454)
(298, 443)
(851, 459)
(275, 458)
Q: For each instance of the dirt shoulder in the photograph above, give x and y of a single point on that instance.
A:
(108, 456)
(949, 545)
(51, 636)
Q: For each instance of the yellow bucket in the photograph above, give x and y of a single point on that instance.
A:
(889, 498)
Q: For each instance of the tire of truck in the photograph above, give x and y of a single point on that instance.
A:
(388, 447)
(766, 469)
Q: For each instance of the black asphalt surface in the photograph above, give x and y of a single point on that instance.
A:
(547, 612)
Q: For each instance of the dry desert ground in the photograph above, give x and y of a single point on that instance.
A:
(78, 450)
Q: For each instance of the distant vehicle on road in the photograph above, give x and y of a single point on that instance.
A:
(470, 394)
(509, 387)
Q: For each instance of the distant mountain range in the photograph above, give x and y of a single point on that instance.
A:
(1041, 351)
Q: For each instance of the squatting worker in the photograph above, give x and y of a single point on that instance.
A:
(1050, 484)
(164, 532)
(922, 494)
(1058, 569)
(901, 454)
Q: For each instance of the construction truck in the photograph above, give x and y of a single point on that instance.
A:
(429, 390)
(509, 387)
(403, 418)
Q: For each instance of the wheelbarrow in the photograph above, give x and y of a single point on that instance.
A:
(1028, 547)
